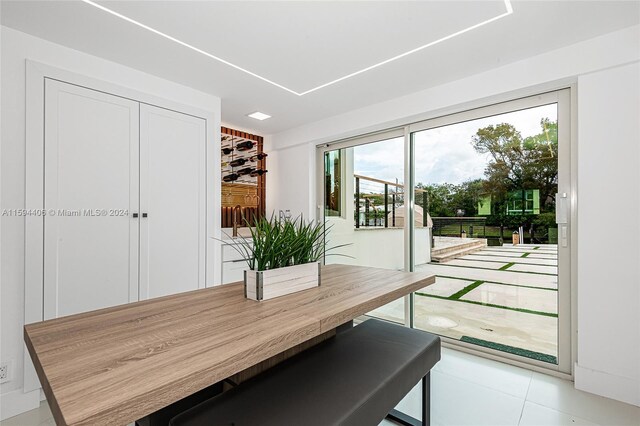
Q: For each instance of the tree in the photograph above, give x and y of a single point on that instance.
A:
(542, 171)
(444, 200)
(519, 163)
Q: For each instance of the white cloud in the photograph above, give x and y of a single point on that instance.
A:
(444, 154)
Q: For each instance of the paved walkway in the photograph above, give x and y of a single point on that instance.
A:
(501, 297)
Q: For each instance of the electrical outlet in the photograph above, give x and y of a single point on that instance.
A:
(5, 372)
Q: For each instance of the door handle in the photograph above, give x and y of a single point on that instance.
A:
(135, 215)
(562, 207)
(144, 215)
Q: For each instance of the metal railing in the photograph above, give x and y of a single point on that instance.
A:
(456, 226)
(376, 198)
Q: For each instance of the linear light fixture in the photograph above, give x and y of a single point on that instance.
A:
(507, 4)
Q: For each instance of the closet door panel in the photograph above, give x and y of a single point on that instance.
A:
(91, 188)
(172, 185)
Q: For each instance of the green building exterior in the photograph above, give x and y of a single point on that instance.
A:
(525, 201)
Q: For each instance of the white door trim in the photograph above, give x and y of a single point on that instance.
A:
(36, 73)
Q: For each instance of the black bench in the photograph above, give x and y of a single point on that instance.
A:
(355, 378)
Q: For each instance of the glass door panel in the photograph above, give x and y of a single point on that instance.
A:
(488, 188)
(483, 194)
(363, 207)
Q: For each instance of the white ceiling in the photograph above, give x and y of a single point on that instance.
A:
(302, 45)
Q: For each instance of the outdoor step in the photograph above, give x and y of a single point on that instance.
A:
(469, 243)
(446, 254)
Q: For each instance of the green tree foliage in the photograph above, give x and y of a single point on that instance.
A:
(519, 163)
(444, 200)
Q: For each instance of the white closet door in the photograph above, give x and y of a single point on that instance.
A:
(91, 184)
(172, 194)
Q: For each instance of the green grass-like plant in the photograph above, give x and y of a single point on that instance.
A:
(276, 243)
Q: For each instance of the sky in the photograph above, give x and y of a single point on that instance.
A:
(444, 154)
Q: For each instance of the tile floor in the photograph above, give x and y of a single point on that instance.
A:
(469, 390)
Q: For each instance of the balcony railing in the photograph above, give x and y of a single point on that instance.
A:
(377, 203)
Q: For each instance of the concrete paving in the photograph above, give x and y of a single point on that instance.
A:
(476, 263)
(523, 299)
(508, 277)
(455, 319)
(506, 259)
(539, 269)
(532, 299)
(446, 287)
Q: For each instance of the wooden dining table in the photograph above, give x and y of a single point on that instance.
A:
(115, 365)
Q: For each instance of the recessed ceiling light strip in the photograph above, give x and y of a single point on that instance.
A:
(507, 3)
(417, 49)
(182, 43)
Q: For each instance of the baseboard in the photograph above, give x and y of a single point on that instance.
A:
(18, 402)
(608, 385)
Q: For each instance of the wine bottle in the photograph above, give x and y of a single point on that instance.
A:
(227, 151)
(245, 171)
(258, 172)
(258, 157)
(244, 146)
(238, 162)
(230, 177)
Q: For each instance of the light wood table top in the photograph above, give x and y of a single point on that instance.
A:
(116, 365)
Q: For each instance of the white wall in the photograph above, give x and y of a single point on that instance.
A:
(609, 227)
(291, 180)
(595, 64)
(16, 48)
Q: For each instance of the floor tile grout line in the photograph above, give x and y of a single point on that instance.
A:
(482, 386)
(567, 413)
(526, 395)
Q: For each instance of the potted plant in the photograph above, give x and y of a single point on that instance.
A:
(283, 256)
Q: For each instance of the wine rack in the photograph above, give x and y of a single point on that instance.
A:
(241, 158)
(243, 169)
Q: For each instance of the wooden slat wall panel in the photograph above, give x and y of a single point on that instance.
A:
(249, 213)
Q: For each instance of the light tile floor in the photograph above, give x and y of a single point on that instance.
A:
(470, 390)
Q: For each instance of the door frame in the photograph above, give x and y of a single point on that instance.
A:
(565, 96)
(36, 73)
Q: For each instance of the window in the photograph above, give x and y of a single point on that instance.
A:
(333, 183)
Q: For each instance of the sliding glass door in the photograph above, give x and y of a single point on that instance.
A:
(481, 200)
(363, 208)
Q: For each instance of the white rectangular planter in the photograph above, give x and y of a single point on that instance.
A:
(264, 285)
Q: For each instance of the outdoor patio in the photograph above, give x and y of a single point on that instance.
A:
(499, 297)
